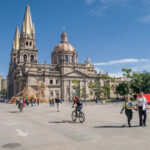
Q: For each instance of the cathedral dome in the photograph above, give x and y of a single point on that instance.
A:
(64, 46)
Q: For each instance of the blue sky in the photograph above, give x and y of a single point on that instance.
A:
(114, 33)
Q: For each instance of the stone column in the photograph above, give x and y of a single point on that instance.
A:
(70, 90)
(85, 88)
(80, 87)
(63, 89)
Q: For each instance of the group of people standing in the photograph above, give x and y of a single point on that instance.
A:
(27, 101)
(141, 106)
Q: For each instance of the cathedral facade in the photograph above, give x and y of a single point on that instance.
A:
(60, 79)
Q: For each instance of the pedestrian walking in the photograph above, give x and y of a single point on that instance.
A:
(27, 102)
(24, 102)
(53, 101)
(128, 106)
(141, 107)
(34, 101)
(31, 102)
(38, 101)
(50, 102)
(58, 101)
(17, 102)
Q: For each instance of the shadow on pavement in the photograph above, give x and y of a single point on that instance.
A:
(11, 145)
(14, 111)
(123, 126)
(63, 121)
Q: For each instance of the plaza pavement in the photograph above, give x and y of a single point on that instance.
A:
(42, 128)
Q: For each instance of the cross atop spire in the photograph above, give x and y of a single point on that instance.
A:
(64, 37)
(27, 26)
(16, 40)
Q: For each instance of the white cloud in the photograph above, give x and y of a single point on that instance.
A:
(102, 5)
(1, 73)
(89, 1)
(117, 74)
(98, 70)
(121, 61)
(141, 68)
(145, 19)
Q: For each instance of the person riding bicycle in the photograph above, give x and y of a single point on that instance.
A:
(20, 103)
(78, 102)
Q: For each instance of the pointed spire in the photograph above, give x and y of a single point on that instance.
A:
(16, 40)
(64, 37)
(88, 61)
(33, 29)
(27, 26)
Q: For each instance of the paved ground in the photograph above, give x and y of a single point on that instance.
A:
(42, 128)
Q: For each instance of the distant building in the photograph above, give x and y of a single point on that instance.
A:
(1, 78)
(3, 83)
(46, 81)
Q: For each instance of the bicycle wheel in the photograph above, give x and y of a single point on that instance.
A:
(74, 117)
(81, 117)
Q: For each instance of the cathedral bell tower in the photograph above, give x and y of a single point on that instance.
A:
(15, 47)
(27, 51)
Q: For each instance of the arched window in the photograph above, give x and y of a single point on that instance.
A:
(59, 58)
(66, 58)
(27, 43)
(25, 57)
(51, 81)
(32, 58)
(30, 44)
(71, 58)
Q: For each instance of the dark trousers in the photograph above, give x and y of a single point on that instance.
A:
(142, 113)
(78, 109)
(129, 115)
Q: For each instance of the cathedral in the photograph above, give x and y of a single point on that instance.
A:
(63, 78)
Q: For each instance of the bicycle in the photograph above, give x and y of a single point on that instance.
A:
(79, 115)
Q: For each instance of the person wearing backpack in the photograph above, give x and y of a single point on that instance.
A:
(78, 103)
(128, 106)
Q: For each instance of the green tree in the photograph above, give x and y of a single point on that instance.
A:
(96, 88)
(137, 82)
(76, 88)
(128, 74)
(122, 89)
(106, 90)
(3, 93)
(141, 82)
(83, 93)
(146, 82)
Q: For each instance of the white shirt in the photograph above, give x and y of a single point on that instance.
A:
(142, 102)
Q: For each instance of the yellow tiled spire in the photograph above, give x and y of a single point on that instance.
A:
(27, 26)
(16, 40)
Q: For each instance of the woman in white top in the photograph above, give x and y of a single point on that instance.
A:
(141, 107)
